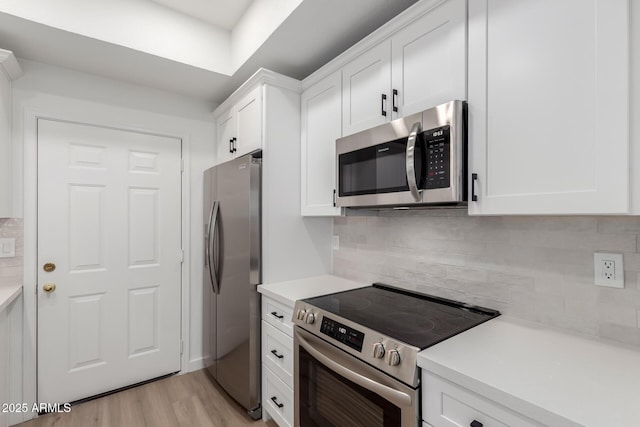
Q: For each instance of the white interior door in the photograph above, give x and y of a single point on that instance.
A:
(109, 218)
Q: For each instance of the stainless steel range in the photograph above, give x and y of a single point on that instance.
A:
(355, 361)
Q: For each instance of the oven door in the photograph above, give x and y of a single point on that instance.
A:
(333, 388)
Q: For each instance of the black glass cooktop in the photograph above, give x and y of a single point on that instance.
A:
(412, 318)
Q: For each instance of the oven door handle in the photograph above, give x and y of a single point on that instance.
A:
(410, 162)
(396, 397)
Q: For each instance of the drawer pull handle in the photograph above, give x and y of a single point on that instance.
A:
(276, 315)
(280, 405)
(275, 353)
(475, 423)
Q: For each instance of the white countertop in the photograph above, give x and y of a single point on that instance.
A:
(8, 293)
(290, 291)
(553, 377)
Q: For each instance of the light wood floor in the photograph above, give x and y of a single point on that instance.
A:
(190, 400)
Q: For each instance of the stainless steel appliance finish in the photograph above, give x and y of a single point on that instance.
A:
(396, 164)
(232, 270)
(355, 353)
(330, 382)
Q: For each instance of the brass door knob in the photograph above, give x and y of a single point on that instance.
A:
(49, 287)
(49, 267)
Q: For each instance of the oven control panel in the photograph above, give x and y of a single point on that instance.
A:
(380, 351)
(342, 333)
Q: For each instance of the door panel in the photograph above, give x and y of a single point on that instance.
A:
(365, 80)
(109, 209)
(249, 122)
(430, 59)
(549, 108)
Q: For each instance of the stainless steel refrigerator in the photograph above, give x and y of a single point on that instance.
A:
(232, 270)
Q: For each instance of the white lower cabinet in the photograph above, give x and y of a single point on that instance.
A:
(277, 362)
(277, 398)
(445, 404)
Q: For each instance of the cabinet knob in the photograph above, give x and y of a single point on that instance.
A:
(475, 423)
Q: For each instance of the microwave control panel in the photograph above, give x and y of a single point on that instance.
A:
(437, 145)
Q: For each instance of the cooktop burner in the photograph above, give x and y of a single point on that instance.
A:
(415, 319)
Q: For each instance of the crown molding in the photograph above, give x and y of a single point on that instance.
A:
(262, 76)
(9, 64)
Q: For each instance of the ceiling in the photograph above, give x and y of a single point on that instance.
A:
(221, 13)
(313, 33)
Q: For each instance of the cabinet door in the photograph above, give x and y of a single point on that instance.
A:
(548, 106)
(321, 126)
(366, 98)
(429, 62)
(225, 126)
(249, 122)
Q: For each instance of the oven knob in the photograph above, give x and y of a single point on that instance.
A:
(393, 358)
(301, 313)
(378, 350)
(310, 318)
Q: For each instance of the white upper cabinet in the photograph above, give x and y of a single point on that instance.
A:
(321, 126)
(249, 123)
(549, 106)
(239, 127)
(367, 86)
(421, 65)
(9, 70)
(225, 130)
(429, 63)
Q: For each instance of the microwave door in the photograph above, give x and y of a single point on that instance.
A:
(377, 175)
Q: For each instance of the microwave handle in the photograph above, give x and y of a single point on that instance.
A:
(411, 171)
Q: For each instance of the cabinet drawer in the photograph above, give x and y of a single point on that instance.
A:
(277, 399)
(278, 315)
(445, 404)
(277, 352)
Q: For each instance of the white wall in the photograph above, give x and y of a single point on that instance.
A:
(48, 91)
(145, 26)
(256, 25)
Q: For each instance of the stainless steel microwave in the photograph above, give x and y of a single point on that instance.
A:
(418, 160)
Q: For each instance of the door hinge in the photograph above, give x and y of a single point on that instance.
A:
(181, 347)
(181, 165)
(334, 197)
(181, 255)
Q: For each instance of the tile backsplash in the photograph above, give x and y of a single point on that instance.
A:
(535, 268)
(11, 268)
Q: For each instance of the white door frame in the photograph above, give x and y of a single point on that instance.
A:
(87, 113)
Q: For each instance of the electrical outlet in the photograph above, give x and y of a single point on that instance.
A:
(608, 270)
(8, 247)
(335, 244)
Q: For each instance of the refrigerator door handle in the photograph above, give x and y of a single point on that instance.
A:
(215, 245)
(210, 246)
